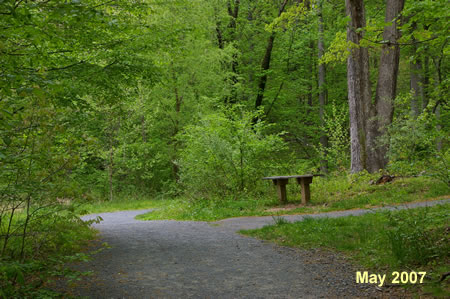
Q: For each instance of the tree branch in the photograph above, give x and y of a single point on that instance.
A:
(400, 44)
(66, 67)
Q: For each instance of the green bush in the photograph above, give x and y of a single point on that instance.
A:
(227, 154)
(337, 154)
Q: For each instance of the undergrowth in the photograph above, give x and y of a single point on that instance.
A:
(53, 243)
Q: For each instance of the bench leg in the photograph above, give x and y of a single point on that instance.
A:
(281, 188)
(304, 183)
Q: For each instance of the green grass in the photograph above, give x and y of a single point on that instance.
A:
(119, 205)
(209, 210)
(327, 194)
(410, 240)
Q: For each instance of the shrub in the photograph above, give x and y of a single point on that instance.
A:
(336, 128)
(227, 154)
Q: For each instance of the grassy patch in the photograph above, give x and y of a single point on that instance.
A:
(328, 194)
(209, 210)
(119, 205)
(357, 192)
(409, 240)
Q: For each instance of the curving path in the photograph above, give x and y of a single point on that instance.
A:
(180, 259)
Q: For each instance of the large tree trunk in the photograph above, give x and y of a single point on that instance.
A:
(358, 80)
(368, 120)
(386, 86)
(322, 89)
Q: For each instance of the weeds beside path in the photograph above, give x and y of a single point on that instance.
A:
(245, 223)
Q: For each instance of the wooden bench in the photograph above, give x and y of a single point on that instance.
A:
(302, 180)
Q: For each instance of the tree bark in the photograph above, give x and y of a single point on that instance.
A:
(416, 87)
(178, 102)
(358, 80)
(111, 162)
(426, 80)
(386, 87)
(233, 13)
(265, 65)
(322, 89)
(369, 121)
(416, 81)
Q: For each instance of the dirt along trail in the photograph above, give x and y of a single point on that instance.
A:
(188, 259)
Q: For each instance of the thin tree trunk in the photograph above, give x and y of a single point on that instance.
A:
(110, 166)
(114, 128)
(265, 65)
(311, 79)
(416, 88)
(437, 109)
(25, 227)
(426, 81)
(178, 102)
(438, 127)
(322, 89)
(219, 36)
(416, 81)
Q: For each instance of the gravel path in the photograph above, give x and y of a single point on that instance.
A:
(180, 259)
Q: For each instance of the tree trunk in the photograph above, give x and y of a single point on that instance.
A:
(178, 102)
(358, 80)
(386, 87)
(233, 12)
(416, 81)
(111, 165)
(311, 79)
(322, 89)
(416, 87)
(368, 120)
(426, 81)
(265, 65)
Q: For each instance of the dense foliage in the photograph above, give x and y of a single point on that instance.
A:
(200, 98)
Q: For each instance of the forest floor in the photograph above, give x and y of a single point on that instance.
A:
(173, 259)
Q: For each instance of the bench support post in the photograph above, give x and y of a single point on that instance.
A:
(281, 188)
(304, 183)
